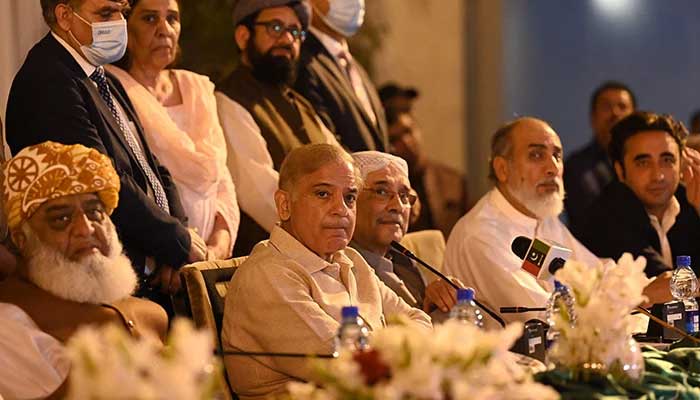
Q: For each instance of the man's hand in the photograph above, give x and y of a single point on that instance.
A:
(167, 279)
(658, 290)
(441, 294)
(198, 248)
(691, 176)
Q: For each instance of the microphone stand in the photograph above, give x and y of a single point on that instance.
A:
(518, 310)
(413, 257)
(273, 354)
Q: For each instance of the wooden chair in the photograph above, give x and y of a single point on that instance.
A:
(206, 283)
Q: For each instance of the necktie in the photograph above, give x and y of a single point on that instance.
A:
(345, 61)
(101, 80)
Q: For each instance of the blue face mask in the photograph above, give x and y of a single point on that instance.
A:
(108, 41)
(344, 16)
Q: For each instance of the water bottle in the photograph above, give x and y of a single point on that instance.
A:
(684, 284)
(560, 300)
(352, 334)
(466, 310)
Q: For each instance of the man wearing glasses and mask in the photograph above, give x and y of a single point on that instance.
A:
(383, 212)
(262, 117)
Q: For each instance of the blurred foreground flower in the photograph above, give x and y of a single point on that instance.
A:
(455, 361)
(107, 363)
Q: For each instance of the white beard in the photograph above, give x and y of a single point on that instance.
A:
(542, 205)
(95, 279)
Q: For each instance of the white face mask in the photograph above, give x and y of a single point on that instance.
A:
(108, 41)
(344, 16)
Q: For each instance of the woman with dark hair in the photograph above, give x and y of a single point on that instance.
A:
(178, 111)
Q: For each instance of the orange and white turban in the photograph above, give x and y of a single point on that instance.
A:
(51, 170)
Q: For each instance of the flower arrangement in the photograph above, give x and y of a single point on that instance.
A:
(605, 296)
(107, 363)
(454, 361)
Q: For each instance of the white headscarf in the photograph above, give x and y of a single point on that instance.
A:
(370, 161)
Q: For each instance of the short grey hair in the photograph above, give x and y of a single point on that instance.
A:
(502, 144)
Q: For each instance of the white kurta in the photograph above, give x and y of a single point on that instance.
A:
(479, 254)
(32, 363)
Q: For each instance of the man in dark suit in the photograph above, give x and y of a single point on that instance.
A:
(646, 211)
(336, 85)
(442, 190)
(588, 170)
(62, 94)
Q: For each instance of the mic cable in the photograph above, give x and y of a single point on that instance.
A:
(398, 247)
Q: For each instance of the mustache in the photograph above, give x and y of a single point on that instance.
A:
(390, 219)
(281, 47)
(340, 224)
(551, 181)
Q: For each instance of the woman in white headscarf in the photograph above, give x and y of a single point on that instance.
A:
(178, 111)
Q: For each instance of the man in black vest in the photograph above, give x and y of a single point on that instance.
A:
(262, 117)
(62, 94)
(646, 212)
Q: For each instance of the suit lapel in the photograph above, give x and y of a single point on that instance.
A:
(332, 68)
(58, 51)
(328, 62)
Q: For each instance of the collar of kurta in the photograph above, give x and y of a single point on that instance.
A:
(511, 213)
(288, 245)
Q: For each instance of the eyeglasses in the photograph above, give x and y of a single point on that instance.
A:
(386, 195)
(276, 29)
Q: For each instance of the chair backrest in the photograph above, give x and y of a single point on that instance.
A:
(429, 246)
(206, 283)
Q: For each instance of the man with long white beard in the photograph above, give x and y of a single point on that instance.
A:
(71, 270)
(526, 166)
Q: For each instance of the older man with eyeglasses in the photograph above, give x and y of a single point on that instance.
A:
(383, 213)
(262, 117)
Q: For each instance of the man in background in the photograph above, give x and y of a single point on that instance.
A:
(335, 83)
(588, 170)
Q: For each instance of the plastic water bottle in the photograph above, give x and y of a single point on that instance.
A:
(352, 335)
(684, 284)
(466, 310)
(560, 300)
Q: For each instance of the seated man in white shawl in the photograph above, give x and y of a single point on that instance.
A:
(71, 270)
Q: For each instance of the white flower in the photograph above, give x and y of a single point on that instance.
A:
(455, 360)
(109, 364)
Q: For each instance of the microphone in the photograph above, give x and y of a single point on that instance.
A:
(398, 247)
(541, 259)
(519, 310)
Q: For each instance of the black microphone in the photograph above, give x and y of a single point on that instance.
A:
(519, 310)
(536, 253)
(398, 247)
(273, 354)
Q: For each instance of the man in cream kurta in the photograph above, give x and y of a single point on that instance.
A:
(287, 297)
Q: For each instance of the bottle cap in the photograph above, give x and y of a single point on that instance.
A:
(683, 261)
(465, 294)
(350, 312)
(558, 285)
